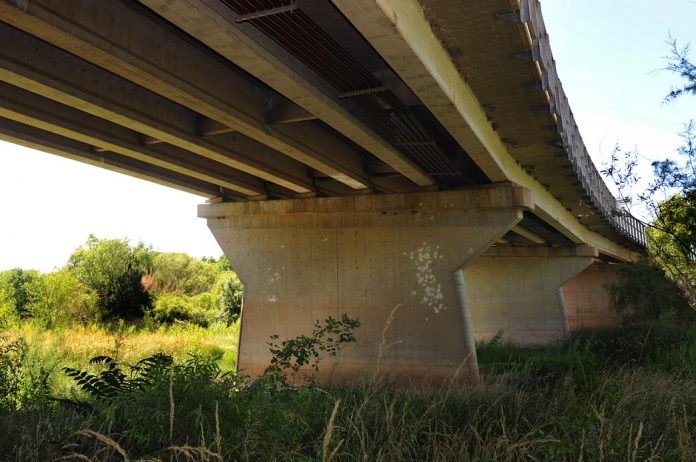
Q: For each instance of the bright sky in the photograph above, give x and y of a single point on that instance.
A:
(608, 54)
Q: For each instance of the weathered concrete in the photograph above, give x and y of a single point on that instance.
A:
(305, 259)
(587, 301)
(518, 291)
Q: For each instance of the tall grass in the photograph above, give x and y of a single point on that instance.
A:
(570, 402)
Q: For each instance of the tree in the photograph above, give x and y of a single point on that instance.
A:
(19, 280)
(179, 272)
(114, 271)
(670, 198)
(59, 298)
(229, 291)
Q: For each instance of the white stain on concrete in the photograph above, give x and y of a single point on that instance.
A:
(430, 289)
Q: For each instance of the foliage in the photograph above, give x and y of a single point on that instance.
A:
(20, 384)
(295, 353)
(598, 404)
(8, 314)
(680, 64)
(114, 382)
(114, 271)
(179, 272)
(16, 282)
(673, 241)
(170, 307)
(642, 292)
(58, 299)
(228, 291)
(670, 198)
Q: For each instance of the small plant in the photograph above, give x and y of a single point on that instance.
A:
(296, 353)
(113, 381)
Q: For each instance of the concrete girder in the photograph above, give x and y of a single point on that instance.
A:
(56, 74)
(403, 36)
(35, 138)
(48, 115)
(392, 260)
(118, 37)
(213, 23)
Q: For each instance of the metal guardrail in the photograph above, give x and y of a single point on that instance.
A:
(596, 189)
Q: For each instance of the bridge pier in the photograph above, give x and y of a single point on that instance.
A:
(520, 291)
(305, 259)
(587, 302)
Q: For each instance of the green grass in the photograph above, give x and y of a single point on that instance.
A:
(622, 394)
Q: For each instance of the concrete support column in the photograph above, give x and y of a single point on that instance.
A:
(518, 291)
(587, 300)
(302, 260)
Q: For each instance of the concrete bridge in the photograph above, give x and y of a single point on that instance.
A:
(414, 163)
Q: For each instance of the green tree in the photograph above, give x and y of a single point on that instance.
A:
(59, 298)
(229, 292)
(179, 272)
(670, 198)
(114, 271)
(672, 241)
(642, 292)
(19, 281)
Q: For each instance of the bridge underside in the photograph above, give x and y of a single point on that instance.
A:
(421, 271)
(358, 156)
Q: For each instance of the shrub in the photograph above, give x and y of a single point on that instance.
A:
(644, 293)
(114, 271)
(58, 299)
(22, 384)
(16, 282)
(228, 291)
(170, 307)
(179, 272)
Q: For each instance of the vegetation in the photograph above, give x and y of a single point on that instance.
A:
(627, 393)
(670, 197)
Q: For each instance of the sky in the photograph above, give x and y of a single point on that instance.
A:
(608, 53)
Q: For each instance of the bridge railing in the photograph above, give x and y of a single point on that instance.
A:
(597, 192)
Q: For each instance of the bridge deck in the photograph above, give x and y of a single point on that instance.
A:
(234, 100)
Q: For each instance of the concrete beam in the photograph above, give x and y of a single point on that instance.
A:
(128, 41)
(214, 24)
(48, 115)
(525, 233)
(41, 140)
(371, 256)
(401, 33)
(55, 74)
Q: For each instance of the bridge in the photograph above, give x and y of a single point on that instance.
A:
(413, 163)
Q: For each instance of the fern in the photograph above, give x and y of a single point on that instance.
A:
(113, 382)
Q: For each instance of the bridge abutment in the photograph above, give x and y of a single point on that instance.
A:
(369, 256)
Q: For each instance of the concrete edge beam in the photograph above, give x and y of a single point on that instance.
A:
(400, 31)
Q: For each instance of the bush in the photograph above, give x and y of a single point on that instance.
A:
(228, 291)
(59, 299)
(22, 384)
(16, 282)
(114, 271)
(170, 307)
(644, 293)
(179, 272)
